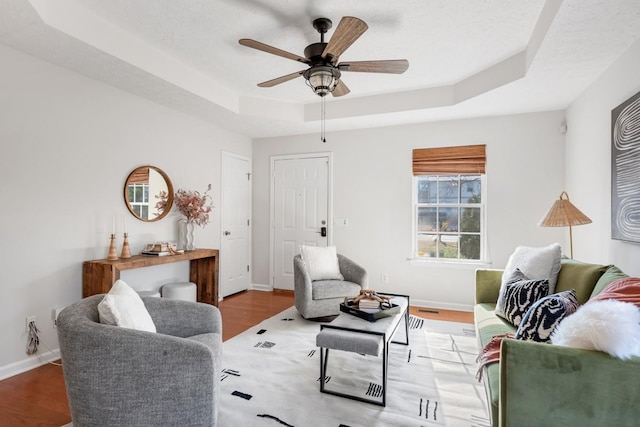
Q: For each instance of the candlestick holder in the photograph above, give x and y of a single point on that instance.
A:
(126, 251)
(113, 253)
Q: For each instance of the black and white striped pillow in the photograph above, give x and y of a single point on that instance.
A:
(542, 318)
(518, 295)
(521, 295)
(516, 276)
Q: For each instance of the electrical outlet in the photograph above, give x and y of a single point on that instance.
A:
(28, 320)
(384, 278)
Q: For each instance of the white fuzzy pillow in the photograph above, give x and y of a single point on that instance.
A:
(321, 262)
(610, 326)
(122, 306)
(536, 263)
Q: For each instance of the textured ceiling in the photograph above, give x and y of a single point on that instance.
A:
(467, 58)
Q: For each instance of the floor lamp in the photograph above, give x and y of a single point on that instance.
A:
(564, 214)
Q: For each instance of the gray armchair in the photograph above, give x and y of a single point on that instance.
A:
(124, 377)
(321, 298)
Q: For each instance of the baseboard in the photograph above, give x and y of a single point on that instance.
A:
(415, 302)
(441, 305)
(23, 366)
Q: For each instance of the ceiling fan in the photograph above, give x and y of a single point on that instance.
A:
(324, 72)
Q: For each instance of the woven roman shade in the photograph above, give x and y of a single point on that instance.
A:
(139, 176)
(449, 160)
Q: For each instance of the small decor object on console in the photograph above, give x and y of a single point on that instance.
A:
(112, 255)
(162, 249)
(126, 250)
(195, 208)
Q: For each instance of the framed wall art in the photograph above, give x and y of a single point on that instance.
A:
(625, 170)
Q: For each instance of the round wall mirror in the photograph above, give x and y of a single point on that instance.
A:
(148, 193)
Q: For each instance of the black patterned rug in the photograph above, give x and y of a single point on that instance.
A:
(270, 377)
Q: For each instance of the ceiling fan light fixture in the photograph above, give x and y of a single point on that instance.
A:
(324, 72)
(322, 79)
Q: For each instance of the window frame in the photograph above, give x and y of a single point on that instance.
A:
(136, 205)
(483, 223)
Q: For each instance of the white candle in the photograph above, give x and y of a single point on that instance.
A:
(113, 228)
(124, 224)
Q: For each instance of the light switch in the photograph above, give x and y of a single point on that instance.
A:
(341, 222)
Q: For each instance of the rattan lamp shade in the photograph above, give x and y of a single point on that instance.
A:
(564, 214)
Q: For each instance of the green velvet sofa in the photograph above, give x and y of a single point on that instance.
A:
(537, 384)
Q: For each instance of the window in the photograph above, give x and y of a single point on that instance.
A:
(138, 196)
(449, 203)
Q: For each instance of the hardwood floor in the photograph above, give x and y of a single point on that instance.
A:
(38, 397)
(444, 315)
(247, 309)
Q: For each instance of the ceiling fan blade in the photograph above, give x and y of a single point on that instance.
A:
(341, 89)
(273, 50)
(347, 32)
(391, 66)
(282, 79)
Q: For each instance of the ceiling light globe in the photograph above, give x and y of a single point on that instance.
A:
(322, 82)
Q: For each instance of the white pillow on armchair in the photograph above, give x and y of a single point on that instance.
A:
(321, 262)
(123, 307)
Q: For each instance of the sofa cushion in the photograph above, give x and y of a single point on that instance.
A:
(612, 274)
(325, 289)
(545, 315)
(122, 306)
(487, 326)
(580, 276)
(608, 325)
(518, 295)
(321, 262)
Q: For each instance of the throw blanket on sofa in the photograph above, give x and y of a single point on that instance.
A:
(491, 352)
(626, 290)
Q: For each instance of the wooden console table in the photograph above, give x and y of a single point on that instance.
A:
(99, 275)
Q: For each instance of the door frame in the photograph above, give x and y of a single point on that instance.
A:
(225, 155)
(324, 154)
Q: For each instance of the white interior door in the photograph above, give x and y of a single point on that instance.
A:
(235, 255)
(300, 211)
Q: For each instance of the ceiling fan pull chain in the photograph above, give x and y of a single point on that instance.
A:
(323, 131)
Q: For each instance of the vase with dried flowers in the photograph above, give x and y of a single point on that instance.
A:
(195, 208)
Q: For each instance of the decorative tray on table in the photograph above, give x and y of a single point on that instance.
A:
(369, 306)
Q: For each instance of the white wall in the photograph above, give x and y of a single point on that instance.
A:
(373, 184)
(68, 144)
(588, 165)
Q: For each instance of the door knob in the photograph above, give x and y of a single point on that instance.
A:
(226, 233)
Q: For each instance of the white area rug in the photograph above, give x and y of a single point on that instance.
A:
(271, 378)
